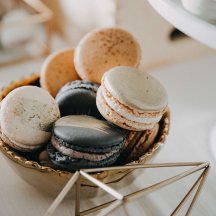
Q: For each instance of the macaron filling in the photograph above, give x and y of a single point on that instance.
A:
(65, 162)
(121, 109)
(78, 154)
(111, 115)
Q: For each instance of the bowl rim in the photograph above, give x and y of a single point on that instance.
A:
(164, 126)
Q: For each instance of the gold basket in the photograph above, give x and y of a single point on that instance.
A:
(51, 180)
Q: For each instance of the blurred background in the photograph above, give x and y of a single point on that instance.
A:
(31, 29)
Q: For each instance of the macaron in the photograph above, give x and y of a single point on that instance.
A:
(103, 49)
(0, 118)
(131, 99)
(78, 98)
(83, 141)
(44, 160)
(57, 70)
(140, 144)
(27, 115)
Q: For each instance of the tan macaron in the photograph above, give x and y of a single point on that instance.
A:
(100, 50)
(57, 70)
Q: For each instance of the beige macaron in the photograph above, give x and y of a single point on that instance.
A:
(27, 115)
(57, 70)
(131, 99)
(102, 49)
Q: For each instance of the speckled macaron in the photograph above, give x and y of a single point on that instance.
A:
(57, 70)
(84, 142)
(27, 115)
(103, 49)
(131, 99)
(78, 98)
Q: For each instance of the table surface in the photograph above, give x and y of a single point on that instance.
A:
(192, 101)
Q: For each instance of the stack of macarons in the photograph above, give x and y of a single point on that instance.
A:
(95, 107)
(81, 141)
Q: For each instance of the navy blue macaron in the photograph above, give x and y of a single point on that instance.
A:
(78, 98)
(81, 141)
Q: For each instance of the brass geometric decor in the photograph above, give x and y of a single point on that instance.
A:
(120, 199)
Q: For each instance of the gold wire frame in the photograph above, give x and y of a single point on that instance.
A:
(43, 15)
(120, 199)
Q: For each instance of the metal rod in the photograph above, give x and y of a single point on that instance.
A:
(144, 166)
(198, 191)
(96, 208)
(110, 208)
(176, 210)
(62, 194)
(77, 202)
(161, 184)
(103, 186)
(201, 166)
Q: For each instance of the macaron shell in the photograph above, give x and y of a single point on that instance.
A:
(65, 162)
(86, 131)
(44, 159)
(128, 112)
(85, 155)
(18, 146)
(27, 114)
(78, 98)
(57, 70)
(110, 115)
(132, 138)
(145, 141)
(103, 49)
(138, 89)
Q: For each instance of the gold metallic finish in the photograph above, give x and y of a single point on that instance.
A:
(77, 204)
(108, 207)
(107, 176)
(198, 191)
(63, 193)
(175, 212)
(105, 187)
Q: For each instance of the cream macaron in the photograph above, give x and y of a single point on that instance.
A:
(103, 49)
(131, 99)
(27, 115)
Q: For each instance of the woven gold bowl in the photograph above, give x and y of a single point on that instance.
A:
(52, 181)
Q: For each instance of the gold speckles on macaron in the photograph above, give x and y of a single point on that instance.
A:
(103, 49)
(27, 115)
